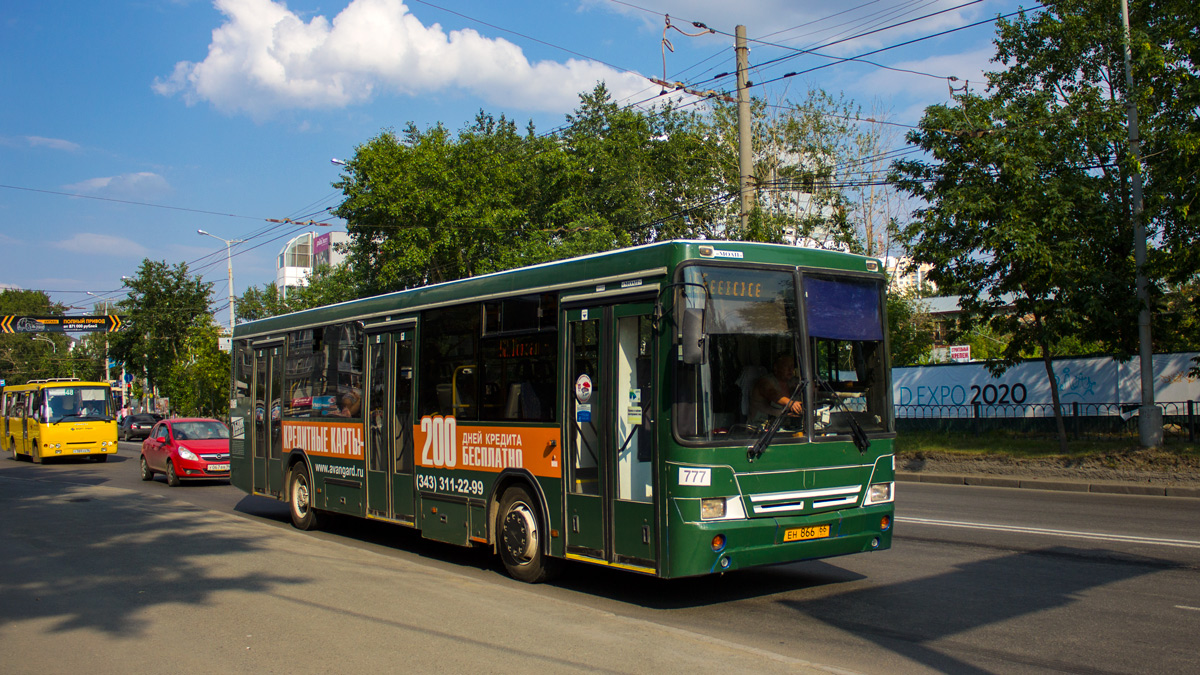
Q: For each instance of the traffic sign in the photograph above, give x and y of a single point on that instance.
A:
(128, 378)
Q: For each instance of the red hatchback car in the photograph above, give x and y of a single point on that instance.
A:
(186, 448)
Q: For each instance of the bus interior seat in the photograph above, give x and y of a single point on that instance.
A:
(750, 376)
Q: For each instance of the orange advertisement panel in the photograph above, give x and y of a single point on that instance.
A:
(341, 440)
(442, 444)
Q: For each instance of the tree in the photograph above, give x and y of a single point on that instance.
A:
(1075, 50)
(164, 306)
(1017, 222)
(640, 176)
(910, 329)
(325, 285)
(260, 303)
(425, 206)
(199, 377)
(1029, 190)
(818, 165)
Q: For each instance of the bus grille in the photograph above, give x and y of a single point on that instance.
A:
(804, 501)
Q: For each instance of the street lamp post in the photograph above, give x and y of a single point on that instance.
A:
(107, 378)
(229, 262)
(40, 338)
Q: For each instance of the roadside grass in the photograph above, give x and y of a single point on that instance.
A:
(1033, 446)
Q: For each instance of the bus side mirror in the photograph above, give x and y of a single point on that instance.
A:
(693, 336)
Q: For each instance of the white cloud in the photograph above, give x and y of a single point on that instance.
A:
(265, 58)
(52, 143)
(103, 244)
(141, 185)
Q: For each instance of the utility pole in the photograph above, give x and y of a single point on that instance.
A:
(745, 147)
(1150, 430)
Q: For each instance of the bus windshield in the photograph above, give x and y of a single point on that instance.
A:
(754, 370)
(68, 404)
(751, 324)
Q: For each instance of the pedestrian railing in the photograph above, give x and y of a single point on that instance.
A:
(1081, 419)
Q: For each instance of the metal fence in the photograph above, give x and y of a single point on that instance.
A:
(1082, 420)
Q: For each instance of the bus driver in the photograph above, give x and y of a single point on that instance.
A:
(770, 396)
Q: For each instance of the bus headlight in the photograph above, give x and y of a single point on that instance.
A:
(722, 508)
(880, 493)
(712, 507)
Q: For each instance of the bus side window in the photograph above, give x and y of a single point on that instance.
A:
(449, 358)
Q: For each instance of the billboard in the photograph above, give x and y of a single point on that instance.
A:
(1080, 380)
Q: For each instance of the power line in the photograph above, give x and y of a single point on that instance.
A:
(126, 201)
(895, 46)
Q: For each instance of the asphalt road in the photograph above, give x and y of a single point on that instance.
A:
(979, 580)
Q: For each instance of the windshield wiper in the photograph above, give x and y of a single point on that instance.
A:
(760, 446)
(857, 434)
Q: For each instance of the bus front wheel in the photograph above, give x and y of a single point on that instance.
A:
(300, 499)
(519, 535)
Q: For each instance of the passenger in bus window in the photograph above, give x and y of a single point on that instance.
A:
(350, 404)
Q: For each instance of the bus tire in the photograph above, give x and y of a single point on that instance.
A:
(300, 498)
(35, 456)
(172, 477)
(519, 536)
(147, 474)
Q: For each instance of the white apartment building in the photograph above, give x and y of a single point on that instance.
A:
(905, 276)
(303, 253)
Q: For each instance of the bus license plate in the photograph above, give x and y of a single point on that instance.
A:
(218, 467)
(802, 533)
(81, 450)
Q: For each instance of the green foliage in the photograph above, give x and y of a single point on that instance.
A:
(325, 286)
(807, 156)
(1075, 50)
(427, 206)
(1017, 222)
(910, 329)
(163, 307)
(260, 303)
(1028, 189)
(641, 176)
(199, 377)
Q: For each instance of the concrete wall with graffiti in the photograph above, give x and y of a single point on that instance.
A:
(1080, 380)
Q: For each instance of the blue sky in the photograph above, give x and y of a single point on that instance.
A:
(128, 125)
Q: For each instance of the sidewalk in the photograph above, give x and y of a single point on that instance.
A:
(1062, 484)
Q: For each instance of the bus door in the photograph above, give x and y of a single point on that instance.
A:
(268, 420)
(389, 424)
(610, 453)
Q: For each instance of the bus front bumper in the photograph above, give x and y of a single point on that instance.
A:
(725, 545)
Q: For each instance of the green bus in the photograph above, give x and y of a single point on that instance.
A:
(675, 409)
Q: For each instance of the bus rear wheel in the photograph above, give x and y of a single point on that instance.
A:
(300, 499)
(519, 538)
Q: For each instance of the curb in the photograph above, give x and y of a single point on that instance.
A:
(1050, 484)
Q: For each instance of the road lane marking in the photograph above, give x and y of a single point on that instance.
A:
(1194, 609)
(1017, 529)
